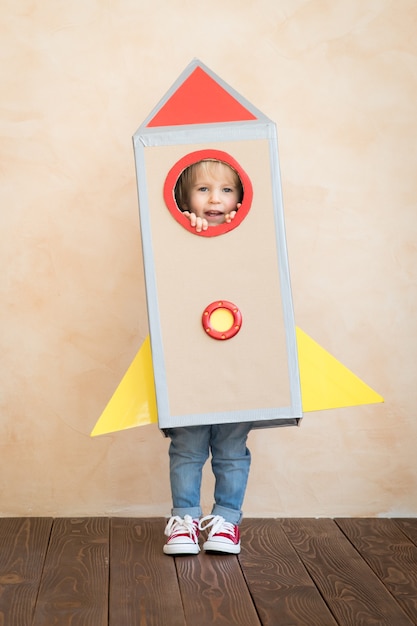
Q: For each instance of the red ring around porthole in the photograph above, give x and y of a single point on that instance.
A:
(234, 328)
(194, 157)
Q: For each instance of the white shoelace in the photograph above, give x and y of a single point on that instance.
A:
(178, 526)
(218, 524)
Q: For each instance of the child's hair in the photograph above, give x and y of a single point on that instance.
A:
(186, 180)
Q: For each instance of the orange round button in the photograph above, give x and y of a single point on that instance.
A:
(222, 319)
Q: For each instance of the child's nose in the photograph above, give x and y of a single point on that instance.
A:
(214, 196)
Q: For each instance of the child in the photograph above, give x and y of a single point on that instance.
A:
(209, 193)
(189, 449)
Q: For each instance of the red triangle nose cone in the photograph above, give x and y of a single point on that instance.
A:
(200, 100)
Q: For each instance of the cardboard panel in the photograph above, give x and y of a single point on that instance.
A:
(199, 379)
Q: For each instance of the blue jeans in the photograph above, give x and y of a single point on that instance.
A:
(189, 450)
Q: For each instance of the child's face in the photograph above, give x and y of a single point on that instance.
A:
(213, 194)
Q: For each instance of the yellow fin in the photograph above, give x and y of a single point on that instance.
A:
(133, 403)
(325, 382)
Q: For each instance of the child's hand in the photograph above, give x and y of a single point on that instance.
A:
(231, 216)
(199, 223)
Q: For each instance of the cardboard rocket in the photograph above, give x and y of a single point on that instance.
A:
(252, 376)
(223, 342)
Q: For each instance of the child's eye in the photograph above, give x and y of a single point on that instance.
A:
(227, 189)
(202, 188)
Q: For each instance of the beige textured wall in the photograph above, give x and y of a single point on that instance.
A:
(340, 80)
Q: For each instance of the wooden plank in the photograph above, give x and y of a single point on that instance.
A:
(143, 581)
(74, 587)
(354, 594)
(390, 554)
(282, 590)
(23, 545)
(214, 591)
(409, 527)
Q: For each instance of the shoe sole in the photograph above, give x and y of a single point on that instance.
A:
(224, 548)
(175, 550)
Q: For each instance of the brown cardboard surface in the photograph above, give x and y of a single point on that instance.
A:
(249, 371)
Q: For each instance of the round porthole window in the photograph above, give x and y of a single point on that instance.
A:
(222, 320)
(208, 192)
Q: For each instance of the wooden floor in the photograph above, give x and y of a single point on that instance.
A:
(101, 571)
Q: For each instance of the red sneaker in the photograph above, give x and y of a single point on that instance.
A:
(182, 536)
(223, 536)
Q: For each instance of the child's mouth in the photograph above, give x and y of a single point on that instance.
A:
(214, 214)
